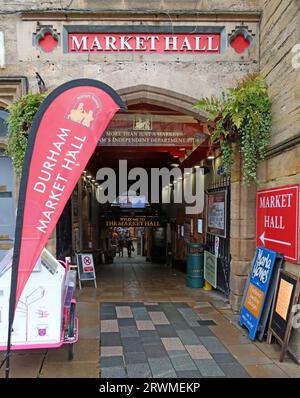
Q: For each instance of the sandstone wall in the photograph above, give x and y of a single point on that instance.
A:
(96, 5)
(280, 31)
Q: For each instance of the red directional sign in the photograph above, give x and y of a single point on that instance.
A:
(277, 220)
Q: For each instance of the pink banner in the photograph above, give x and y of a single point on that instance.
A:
(63, 137)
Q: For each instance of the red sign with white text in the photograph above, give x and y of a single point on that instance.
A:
(277, 220)
(144, 42)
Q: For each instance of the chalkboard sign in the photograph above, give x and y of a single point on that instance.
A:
(86, 268)
(259, 291)
(287, 294)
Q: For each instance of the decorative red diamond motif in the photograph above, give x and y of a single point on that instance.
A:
(239, 43)
(48, 42)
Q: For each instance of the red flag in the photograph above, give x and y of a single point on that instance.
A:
(63, 137)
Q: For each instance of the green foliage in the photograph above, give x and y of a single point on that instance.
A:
(21, 114)
(242, 115)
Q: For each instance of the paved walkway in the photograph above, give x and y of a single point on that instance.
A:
(135, 283)
(161, 340)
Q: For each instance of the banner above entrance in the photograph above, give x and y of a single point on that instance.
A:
(153, 130)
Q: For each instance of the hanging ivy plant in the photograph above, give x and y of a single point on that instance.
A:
(21, 114)
(243, 115)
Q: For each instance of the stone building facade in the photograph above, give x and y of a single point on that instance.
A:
(176, 79)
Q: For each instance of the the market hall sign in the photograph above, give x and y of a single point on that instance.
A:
(134, 39)
(277, 220)
(135, 221)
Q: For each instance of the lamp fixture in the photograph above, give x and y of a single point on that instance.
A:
(210, 155)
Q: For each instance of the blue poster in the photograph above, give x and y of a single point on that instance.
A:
(256, 290)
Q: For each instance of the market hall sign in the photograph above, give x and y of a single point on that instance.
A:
(277, 220)
(103, 42)
(126, 222)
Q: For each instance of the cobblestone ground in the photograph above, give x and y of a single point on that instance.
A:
(153, 325)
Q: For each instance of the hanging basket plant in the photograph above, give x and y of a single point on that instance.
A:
(241, 115)
(21, 114)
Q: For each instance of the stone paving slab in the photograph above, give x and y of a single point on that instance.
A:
(110, 339)
(70, 369)
(24, 365)
(183, 362)
(233, 370)
(265, 371)
(189, 374)
(114, 372)
(140, 370)
(162, 367)
(145, 325)
(162, 339)
(249, 354)
(126, 322)
(188, 337)
(135, 357)
(108, 362)
(166, 331)
(129, 331)
(209, 368)
(213, 345)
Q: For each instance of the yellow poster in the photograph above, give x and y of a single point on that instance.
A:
(283, 299)
(254, 300)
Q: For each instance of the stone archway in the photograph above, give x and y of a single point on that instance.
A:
(242, 222)
(163, 97)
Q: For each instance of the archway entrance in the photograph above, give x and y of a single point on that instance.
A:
(160, 130)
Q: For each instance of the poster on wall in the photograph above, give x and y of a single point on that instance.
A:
(200, 226)
(216, 213)
(260, 281)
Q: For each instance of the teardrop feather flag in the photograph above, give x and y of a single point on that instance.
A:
(63, 136)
